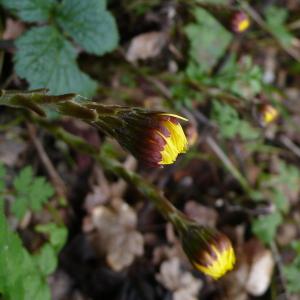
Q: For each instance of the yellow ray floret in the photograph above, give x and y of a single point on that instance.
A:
(221, 264)
(243, 25)
(270, 114)
(175, 144)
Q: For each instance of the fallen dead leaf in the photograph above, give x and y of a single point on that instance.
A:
(10, 150)
(183, 284)
(201, 214)
(13, 29)
(253, 272)
(260, 273)
(116, 234)
(146, 45)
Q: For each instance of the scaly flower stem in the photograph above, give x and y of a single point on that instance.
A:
(229, 165)
(162, 204)
(102, 117)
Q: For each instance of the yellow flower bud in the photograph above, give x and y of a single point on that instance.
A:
(155, 138)
(266, 114)
(240, 22)
(208, 250)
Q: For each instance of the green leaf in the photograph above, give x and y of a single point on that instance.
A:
(57, 234)
(40, 192)
(22, 181)
(276, 18)
(240, 77)
(2, 177)
(31, 192)
(19, 276)
(292, 275)
(46, 260)
(230, 123)
(289, 175)
(280, 200)
(30, 10)
(89, 24)
(265, 227)
(292, 271)
(208, 40)
(47, 60)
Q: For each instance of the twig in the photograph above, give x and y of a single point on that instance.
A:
(285, 295)
(289, 144)
(162, 204)
(228, 164)
(58, 183)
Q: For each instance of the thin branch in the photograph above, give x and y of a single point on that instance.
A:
(58, 183)
(285, 295)
(162, 204)
(228, 164)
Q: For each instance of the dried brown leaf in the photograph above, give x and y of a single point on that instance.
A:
(183, 284)
(146, 45)
(116, 234)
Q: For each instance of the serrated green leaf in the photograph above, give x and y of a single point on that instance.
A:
(265, 227)
(208, 40)
(275, 17)
(40, 192)
(46, 260)
(47, 60)
(240, 77)
(19, 276)
(22, 181)
(2, 171)
(20, 206)
(280, 200)
(292, 275)
(30, 192)
(289, 175)
(292, 270)
(57, 234)
(30, 10)
(230, 123)
(2, 175)
(89, 24)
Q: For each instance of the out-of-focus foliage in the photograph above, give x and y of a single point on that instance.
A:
(20, 277)
(24, 275)
(63, 74)
(276, 18)
(276, 187)
(208, 40)
(230, 124)
(30, 10)
(265, 227)
(45, 57)
(292, 271)
(248, 177)
(30, 192)
(89, 24)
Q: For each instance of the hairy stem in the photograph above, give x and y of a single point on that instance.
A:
(162, 204)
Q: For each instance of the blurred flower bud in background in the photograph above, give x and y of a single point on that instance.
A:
(266, 114)
(240, 22)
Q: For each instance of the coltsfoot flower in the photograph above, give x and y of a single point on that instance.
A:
(266, 114)
(156, 138)
(240, 22)
(208, 250)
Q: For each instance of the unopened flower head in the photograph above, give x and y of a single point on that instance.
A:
(267, 114)
(240, 22)
(156, 138)
(208, 250)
